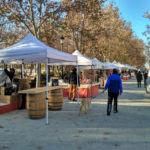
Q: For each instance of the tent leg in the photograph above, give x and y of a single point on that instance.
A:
(91, 85)
(46, 65)
(77, 83)
(22, 70)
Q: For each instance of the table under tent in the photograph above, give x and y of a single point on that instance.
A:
(32, 51)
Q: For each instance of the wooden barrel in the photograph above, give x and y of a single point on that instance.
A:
(36, 105)
(55, 99)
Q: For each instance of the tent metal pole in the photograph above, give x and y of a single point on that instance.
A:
(91, 82)
(22, 69)
(77, 82)
(46, 65)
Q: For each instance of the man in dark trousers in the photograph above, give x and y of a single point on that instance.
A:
(145, 78)
(114, 86)
(139, 78)
(73, 84)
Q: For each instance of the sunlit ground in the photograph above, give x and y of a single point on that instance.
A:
(145, 102)
(134, 91)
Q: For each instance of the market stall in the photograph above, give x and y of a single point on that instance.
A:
(32, 51)
(86, 89)
(83, 63)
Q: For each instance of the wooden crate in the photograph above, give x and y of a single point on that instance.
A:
(10, 99)
(3, 90)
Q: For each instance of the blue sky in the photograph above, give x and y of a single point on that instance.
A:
(133, 11)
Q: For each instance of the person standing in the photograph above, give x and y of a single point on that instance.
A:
(114, 86)
(73, 85)
(10, 73)
(139, 78)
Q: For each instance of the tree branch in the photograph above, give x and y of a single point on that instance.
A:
(32, 16)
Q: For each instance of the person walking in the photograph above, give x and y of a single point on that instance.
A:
(114, 86)
(139, 78)
(145, 78)
(73, 85)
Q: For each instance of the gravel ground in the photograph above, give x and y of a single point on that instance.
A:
(127, 130)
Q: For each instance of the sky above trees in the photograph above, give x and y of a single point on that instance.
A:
(93, 28)
(133, 11)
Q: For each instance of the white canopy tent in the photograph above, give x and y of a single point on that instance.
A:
(108, 65)
(99, 65)
(119, 65)
(133, 68)
(82, 59)
(130, 67)
(31, 50)
(96, 65)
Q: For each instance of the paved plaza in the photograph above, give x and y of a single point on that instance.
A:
(127, 130)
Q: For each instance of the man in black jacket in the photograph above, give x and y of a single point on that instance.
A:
(145, 78)
(139, 78)
(10, 73)
(73, 85)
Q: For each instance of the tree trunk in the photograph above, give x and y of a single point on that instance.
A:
(31, 68)
(38, 79)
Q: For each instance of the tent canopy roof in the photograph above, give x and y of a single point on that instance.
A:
(108, 65)
(99, 64)
(83, 60)
(31, 50)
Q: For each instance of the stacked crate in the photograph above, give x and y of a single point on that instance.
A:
(8, 99)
